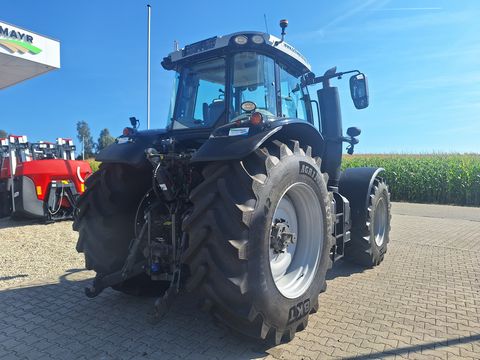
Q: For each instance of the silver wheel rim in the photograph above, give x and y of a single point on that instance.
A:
(380, 222)
(293, 270)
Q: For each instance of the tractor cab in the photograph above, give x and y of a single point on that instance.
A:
(214, 77)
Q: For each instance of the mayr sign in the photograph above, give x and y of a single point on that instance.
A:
(17, 41)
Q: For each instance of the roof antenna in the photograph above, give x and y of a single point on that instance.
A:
(283, 25)
(266, 25)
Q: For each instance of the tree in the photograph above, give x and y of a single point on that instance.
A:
(105, 139)
(3, 134)
(85, 137)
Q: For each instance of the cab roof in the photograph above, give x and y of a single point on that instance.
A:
(218, 44)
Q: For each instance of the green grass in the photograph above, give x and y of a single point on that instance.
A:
(432, 178)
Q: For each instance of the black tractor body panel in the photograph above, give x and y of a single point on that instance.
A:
(222, 147)
(355, 184)
(130, 150)
(219, 146)
(331, 117)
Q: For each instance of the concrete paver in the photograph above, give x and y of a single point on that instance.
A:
(422, 302)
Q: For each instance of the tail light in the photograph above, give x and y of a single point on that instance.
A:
(256, 118)
(127, 131)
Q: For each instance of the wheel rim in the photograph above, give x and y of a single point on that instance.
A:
(380, 222)
(294, 268)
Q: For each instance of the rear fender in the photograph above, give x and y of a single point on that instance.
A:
(130, 153)
(356, 184)
(130, 150)
(224, 147)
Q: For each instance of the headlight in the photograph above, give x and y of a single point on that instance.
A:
(241, 39)
(257, 39)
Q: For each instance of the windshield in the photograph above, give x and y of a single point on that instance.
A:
(253, 80)
(200, 100)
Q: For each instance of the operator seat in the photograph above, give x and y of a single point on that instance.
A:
(215, 110)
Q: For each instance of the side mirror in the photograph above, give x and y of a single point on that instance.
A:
(134, 121)
(353, 131)
(359, 91)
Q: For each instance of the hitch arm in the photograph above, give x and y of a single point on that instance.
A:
(101, 283)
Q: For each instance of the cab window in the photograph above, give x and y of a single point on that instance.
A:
(293, 104)
(201, 95)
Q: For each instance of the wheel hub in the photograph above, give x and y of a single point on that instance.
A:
(281, 236)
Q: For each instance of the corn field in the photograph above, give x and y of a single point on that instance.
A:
(433, 178)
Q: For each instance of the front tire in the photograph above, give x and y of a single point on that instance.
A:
(369, 241)
(230, 240)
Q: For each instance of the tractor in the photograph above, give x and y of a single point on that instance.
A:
(46, 179)
(241, 197)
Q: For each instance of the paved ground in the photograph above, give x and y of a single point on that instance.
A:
(422, 302)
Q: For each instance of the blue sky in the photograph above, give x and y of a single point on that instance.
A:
(422, 59)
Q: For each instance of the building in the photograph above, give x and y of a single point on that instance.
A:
(25, 54)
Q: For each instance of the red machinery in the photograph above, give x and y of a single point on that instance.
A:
(46, 179)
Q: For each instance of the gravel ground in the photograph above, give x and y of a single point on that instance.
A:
(30, 251)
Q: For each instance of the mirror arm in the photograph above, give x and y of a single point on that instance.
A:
(327, 76)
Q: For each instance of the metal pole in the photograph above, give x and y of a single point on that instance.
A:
(148, 67)
(83, 147)
(12, 174)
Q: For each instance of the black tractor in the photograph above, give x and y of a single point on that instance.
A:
(241, 197)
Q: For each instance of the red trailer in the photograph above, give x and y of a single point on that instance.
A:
(46, 179)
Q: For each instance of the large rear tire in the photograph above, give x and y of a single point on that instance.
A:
(248, 279)
(105, 219)
(369, 241)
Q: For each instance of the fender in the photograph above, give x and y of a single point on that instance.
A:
(130, 150)
(222, 147)
(27, 203)
(355, 184)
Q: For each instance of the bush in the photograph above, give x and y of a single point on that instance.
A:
(93, 164)
(434, 178)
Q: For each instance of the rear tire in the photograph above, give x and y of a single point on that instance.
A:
(369, 241)
(230, 241)
(105, 217)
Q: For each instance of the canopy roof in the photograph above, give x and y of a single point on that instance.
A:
(25, 54)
